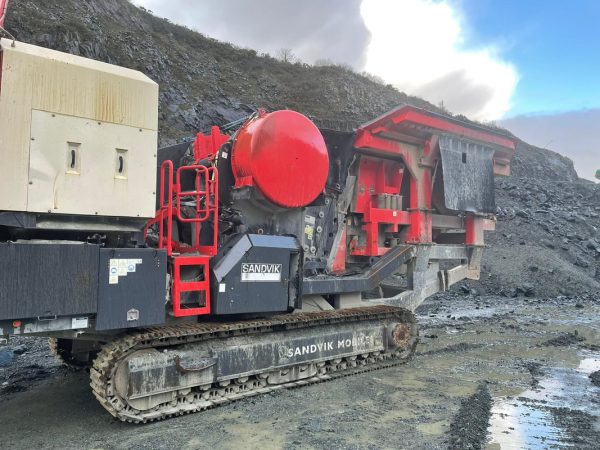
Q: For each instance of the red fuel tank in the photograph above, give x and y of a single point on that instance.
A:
(284, 155)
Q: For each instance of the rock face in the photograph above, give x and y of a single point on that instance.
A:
(548, 231)
(203, 82)
(547, 241)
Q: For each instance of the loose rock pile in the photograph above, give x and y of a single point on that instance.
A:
(547, 241)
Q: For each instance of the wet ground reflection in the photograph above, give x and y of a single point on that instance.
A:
(527, 422)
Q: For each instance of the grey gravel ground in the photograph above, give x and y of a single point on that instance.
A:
(511, 346)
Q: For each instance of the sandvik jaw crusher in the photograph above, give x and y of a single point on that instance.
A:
(275, 252)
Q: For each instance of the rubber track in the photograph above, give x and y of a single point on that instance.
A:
(108, 358)
(53, 347)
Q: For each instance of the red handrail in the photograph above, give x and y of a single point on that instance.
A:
(3, 8)
(206, 206)
(206, 197)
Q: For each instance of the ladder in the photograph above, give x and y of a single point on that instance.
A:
(197, 206)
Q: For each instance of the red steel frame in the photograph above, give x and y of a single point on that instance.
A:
(180, 286)
(399, 134)
(376, 177)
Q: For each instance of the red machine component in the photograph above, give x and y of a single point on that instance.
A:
(205, 200)
(284, 155)
(378, 199)
(395, 135)
(207, 146)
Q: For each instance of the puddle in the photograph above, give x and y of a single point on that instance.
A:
(459, 313)
(526, 421)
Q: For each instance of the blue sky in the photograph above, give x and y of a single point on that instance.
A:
(555, 46)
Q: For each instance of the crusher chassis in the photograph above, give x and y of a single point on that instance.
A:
(274, 252)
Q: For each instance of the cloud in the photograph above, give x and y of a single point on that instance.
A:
(419, 46)
(574, 134)
(313, 29)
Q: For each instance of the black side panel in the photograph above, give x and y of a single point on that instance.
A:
(468, 170)
(256, 275)
(41, 280)
(132, 288)
(174, 153)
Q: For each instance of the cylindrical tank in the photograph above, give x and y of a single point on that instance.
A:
(284, 155)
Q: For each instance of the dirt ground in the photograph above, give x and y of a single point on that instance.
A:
(490, 372)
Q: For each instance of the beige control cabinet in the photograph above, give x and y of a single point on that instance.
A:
(77, 136)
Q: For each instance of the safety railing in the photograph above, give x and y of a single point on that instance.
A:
(198, 207)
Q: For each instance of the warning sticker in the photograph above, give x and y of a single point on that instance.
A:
(120, 267)
(309, 227)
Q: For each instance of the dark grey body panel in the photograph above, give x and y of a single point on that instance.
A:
(468, 170)
(271, 288)
(47, 279)
(142, 290)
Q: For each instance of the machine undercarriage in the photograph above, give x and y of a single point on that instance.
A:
(165, 372)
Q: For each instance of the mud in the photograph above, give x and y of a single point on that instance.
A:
(468, 429)
(538, 396)
(565, 339)
(580, 427)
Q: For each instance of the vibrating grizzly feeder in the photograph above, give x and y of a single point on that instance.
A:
(282, 252)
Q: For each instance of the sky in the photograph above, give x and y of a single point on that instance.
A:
(532, 66)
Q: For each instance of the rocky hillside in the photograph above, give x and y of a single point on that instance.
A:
(548, 238)
(203, 82)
